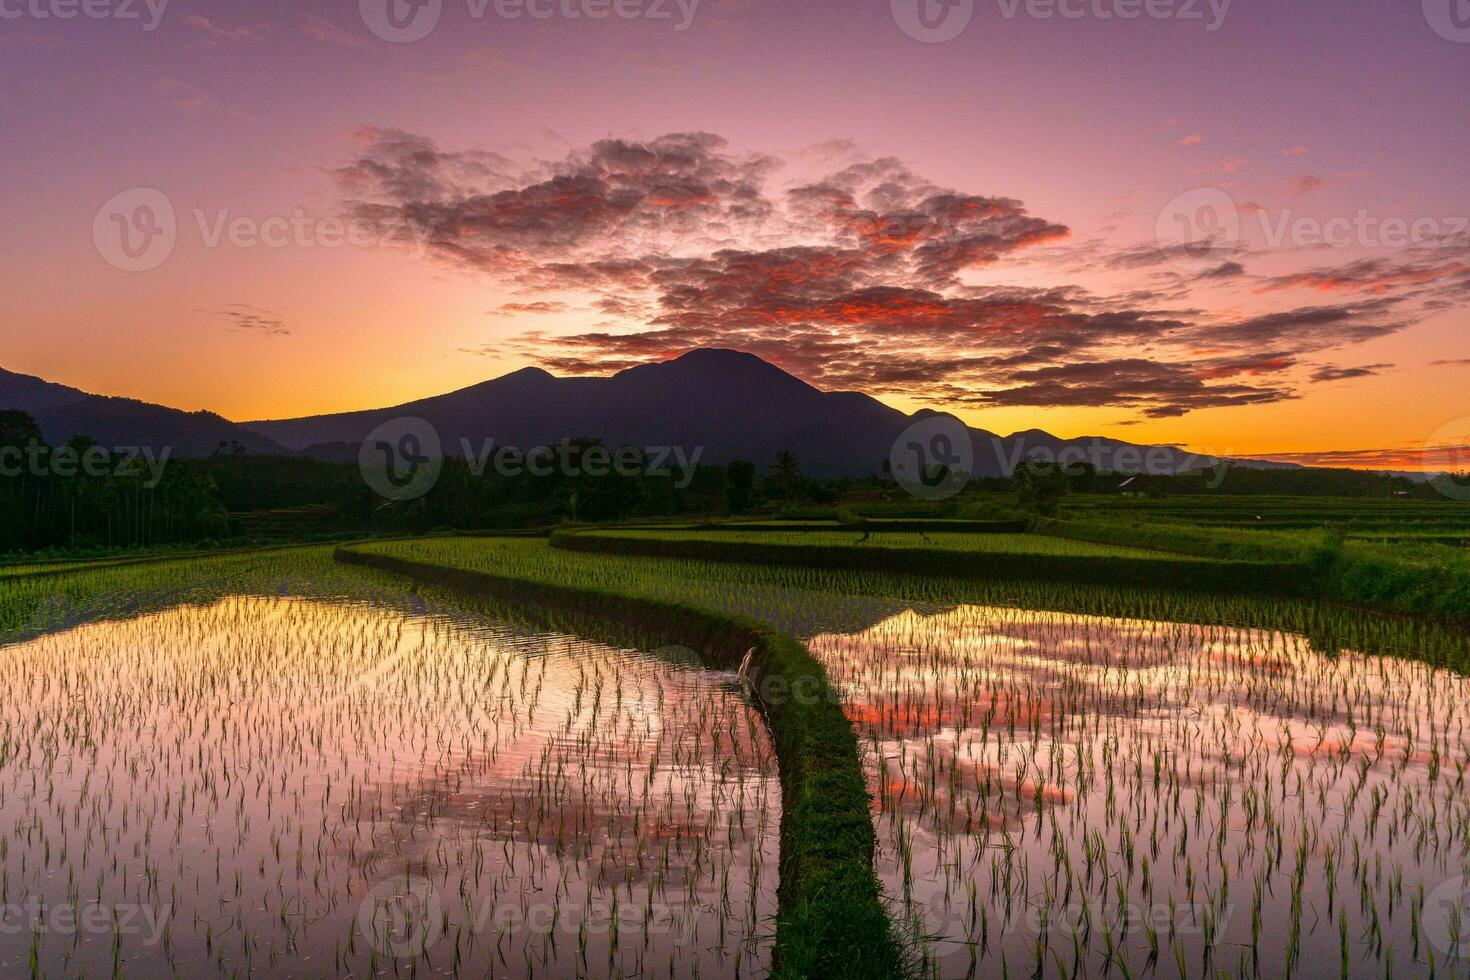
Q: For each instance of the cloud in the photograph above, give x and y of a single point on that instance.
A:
(1303, 184)
(1159, 390)
(858, 277)
(1330, 373)
(1380, 274)
(1294, 151)
(251, 319)
(1308, 328)
(1420, 458)
(183, 96)
(1191, 140)
(323, 31)
(210, 35)
(1225, 270)
(545, 306)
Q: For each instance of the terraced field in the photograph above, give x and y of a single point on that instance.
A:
(1020, 544)
(528, 759)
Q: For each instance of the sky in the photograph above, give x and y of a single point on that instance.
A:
(1238, 227)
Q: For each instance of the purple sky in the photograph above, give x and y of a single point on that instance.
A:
(1041, 152)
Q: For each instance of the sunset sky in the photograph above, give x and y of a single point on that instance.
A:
(1090, 224)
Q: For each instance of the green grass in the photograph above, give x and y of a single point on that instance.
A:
(1418, 578)
(1020, 544)
(995, 556)
(792, 594)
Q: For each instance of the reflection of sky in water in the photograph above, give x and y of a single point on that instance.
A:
(256, 764)
(1252, 793)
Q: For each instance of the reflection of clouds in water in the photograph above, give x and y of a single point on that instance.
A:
(302, 750)
(1057, 740)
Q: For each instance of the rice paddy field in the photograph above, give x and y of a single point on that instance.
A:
(1067, 795)
(1282, 512)
(1021, 544)
(309, 769)
(281, 767)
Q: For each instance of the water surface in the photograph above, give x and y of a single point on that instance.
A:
(294, 782)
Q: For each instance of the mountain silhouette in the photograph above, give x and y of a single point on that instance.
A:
(732, 404)
(63, 412)
(729, 404)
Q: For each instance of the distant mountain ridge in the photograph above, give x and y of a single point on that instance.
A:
(732, 405)
(63, 413)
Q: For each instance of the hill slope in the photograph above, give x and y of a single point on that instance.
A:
(64, 412)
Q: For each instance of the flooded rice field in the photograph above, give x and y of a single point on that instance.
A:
(299, 785)
(1066, 795)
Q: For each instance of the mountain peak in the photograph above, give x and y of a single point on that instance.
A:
(717, 366)
(718, 355)
(528, 374)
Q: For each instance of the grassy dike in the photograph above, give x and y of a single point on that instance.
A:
(831, 920)
(1174, 572)
(1427, 581)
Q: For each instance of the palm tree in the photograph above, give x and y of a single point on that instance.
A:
(786, 472)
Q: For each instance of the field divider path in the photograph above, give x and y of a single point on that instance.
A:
(831, 920)
(1175, 572)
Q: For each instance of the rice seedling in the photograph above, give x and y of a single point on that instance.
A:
(279, 766)
(875, 537)
(1126, 791)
